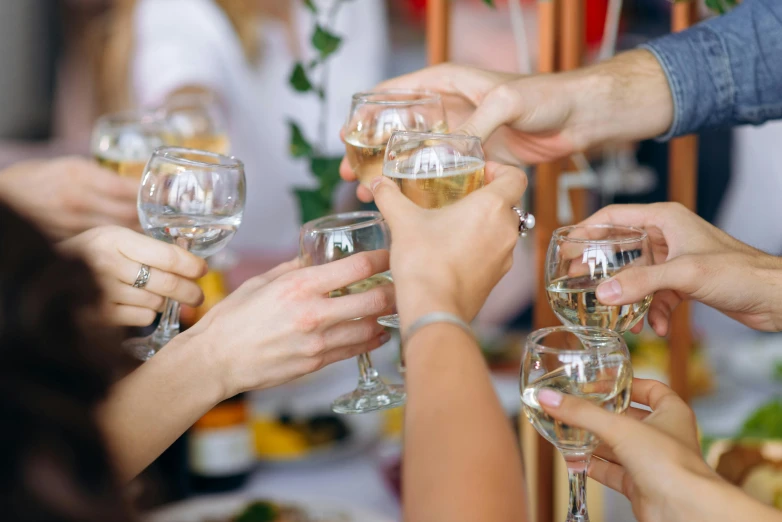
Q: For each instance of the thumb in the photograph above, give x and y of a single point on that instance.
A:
(500, 107)
(635, 283)
(390, 200)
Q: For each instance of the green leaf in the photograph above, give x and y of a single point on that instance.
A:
(299, 146)
(325, 42)
(299, 80)
(309, 4)
(326, 170)
(490, 3)
(312, 204)
(765, 423)
(778, 371)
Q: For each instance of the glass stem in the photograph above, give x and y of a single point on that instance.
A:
(577, 480)
(168, 327)
(368, 376)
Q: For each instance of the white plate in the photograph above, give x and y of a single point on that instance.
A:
(213, 506)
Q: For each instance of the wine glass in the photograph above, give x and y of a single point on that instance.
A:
(124, 141)
(335, 237)
(590, 363)
(375, 115)
(193, 199)
(433, 170)
(581, 257)
(197, 120)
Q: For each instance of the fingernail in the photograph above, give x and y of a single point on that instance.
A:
(375, 182)
(609, 291)
(384, 337)
(549, 397)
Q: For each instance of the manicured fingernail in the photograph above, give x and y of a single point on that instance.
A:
(384, 337)
(375, 182)
(609, 291)
(549, 397)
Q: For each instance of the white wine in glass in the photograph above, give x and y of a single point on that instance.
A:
(582, 257)
(374, 116)
(589, 363)
(124, 142)
(433, 170)
(196, 121)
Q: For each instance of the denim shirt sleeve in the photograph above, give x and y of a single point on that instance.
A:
(726, 70)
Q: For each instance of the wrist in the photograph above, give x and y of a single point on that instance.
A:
(626, 98)
(193, 354)
(415, 299)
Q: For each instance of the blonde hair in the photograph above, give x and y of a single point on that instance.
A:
(113, 40)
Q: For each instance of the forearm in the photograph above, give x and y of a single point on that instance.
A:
(626, 98)
(150, 408)
(461, 461)
(717, 501)
(725, 71)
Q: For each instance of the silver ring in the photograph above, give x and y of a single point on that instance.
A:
(526, 221)
(143, 277)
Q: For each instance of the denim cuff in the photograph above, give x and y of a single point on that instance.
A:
(698, 69)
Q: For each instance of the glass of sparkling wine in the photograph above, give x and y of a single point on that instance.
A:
(581, 257)
(194, 199)
(590, 363)
(196, 121)
(335, 237)
(123, 142)
(375, 115)
(433, 170)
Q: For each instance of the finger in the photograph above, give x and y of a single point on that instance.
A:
(123, 294)
(390, 201)
(609, 427)
(638, 215)
(124, 315)
(366, 304)
(345, 171)
(604, 452)
(340, 274)
(637, 328)
(161, 283)
(502, 105)
(106, 210)
(635, 283)
(348, 352)
(350, 333)
(662, 308)
(111, 185)
(364, 194)
(507, 181)
(654, 393)
(607, 473)
(637, 414)
(166, 257)
(253, 284)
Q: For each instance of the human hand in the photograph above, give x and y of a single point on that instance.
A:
(652, 458)
(116, 255)
(696, 261)
(282, 325)
(69, 195)
(449, 259)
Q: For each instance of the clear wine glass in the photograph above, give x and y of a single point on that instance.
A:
(581, 257)
(590, 363)
(194, 199)
(335, 237)
(124, 141)
(375, 115)
(433, 170)
(198, 121)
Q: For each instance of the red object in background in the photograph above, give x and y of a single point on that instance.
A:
(595, 15)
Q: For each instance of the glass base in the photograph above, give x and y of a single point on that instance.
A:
(577, 518)
(143, 348)
(380, 396)
(389, 321)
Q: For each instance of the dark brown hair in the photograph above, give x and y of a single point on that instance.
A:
(57, 366)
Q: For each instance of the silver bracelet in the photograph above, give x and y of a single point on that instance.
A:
(436, 317)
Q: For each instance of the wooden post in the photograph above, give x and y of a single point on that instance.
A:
(437, 30)
(682, 187)
(572, 43)
(539, 453)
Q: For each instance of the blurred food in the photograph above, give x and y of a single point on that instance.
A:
(753, 461)
(289, 437)
(502, 349)
(266, 511)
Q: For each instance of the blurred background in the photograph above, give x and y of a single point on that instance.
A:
(67, 62)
